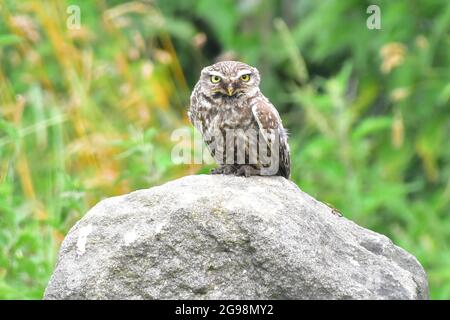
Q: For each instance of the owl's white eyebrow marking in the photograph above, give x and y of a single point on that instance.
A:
(215, 73)
(242, 72)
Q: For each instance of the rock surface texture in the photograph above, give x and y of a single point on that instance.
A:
(226, 237)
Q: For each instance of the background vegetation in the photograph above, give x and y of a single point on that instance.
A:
(88, 113)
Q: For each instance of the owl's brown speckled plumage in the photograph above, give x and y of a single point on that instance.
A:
(227, 99)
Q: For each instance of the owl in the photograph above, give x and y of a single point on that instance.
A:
(241, 128)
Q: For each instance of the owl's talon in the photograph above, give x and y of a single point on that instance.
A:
(229, 170)
(247, 171)
(226, 169)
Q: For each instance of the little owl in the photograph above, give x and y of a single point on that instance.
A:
(242, 129)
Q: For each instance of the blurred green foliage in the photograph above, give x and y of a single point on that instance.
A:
(87, 113)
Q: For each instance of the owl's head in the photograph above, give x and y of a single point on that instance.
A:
(229, 78)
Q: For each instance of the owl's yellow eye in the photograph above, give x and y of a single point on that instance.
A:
(245, 77)
(215, 79)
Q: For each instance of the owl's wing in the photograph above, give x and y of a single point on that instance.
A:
(195, 117)
(198, 120)
(271, 128)
(197, 124)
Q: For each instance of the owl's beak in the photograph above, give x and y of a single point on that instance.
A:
(230, 91)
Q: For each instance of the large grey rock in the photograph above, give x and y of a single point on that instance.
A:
(226, 237)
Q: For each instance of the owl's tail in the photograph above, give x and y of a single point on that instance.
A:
(285, 156)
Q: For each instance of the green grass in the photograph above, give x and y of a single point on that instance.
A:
(87, 114)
